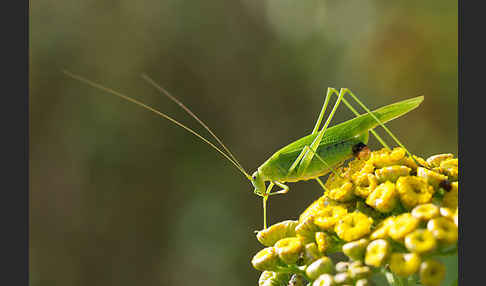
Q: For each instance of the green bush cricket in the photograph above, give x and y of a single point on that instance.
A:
(307, 158)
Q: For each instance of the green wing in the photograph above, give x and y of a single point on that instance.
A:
(356, 126)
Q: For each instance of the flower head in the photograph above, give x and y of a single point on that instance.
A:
(414, 191)
(353, 226)
(404, 264)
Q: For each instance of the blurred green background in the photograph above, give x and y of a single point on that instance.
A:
(119, 196)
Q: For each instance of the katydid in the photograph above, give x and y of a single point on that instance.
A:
(309, 157)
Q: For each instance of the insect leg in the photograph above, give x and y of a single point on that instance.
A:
(321, 184)
(350, 107)
(322, 160)
(264, 199)
(284, 189)
(316, 127)
(306, 160)
(327, 166)
(323, 110)
(377, 120)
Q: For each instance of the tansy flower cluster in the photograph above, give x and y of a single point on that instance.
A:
(385, 213)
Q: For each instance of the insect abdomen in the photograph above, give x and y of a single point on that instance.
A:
(334, 154)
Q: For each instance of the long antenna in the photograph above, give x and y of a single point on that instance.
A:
(186, 109)
(109, 90)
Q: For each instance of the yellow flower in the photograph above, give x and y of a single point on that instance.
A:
(323, 241)
(358, 271)
(450, 168)
(414, 191)
(432, 272)
(402, 225)
(431, 177)
(425, 211)
(443, 229)
(450, 198)
(311, 253)
(342, 194)
(306, 229)
(270, 278)
(435, 160)
(314, 208)
(447, 213)
(365, 184)
(392, 173)
(456, 219)
(363, 282)
(266, 259)
(404, 264)
(421, 162)
(320, 266)
(381, 230)
(342, 278)
(324, 280)
(353, 226)
(383, 198)
(386, 157)
(420, 241)
(274, 233)
(329, 216)
(377, 252)
(289, 249)
(356, 249)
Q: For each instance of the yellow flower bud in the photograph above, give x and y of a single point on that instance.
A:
(421, 162)
(432, 272)
(434, 161)
(324, 280)
(365, 184)
(377, 252)
(402, 225)
(342, 266)
(381, 230)
(342, 278)
(414, 191)
(321, 266)
(323, 241)
(355, 250)
(314, 208)
(447, 213)
(431, 177)
(359, 272)
(306, 229)
(420, 241)
(269, 278)
(425, 211)
(404, 264)
(266, 259)
(329, 216)
(392, 173)
(450, 168)
(353, 226)
(363, 282)
(289, 249)
(342, 194)
(443, 229)
(456, 219)
(274, 233)
(383, 198)
(386, 157)
(450, 199)
(266, 275)
(311, 253)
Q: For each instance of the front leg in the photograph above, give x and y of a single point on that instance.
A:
(284, 189)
